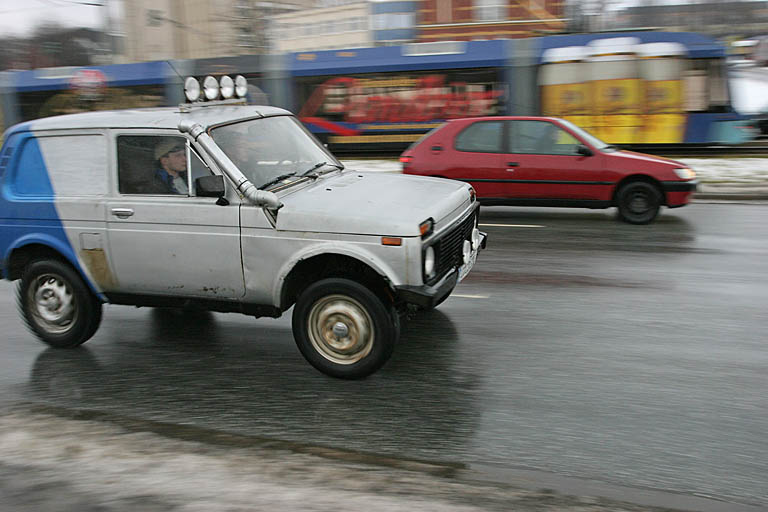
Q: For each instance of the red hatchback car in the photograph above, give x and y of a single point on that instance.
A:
(546, 161)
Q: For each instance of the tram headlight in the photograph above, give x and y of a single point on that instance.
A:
(429, 262)
(685, 173)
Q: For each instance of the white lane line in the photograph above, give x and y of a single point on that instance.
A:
(459, 295)
(514, 225)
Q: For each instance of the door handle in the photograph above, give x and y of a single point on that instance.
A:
(513, 164)
(123, 213)
(436, 148)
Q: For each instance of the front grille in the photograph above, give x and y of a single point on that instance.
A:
(449, 247)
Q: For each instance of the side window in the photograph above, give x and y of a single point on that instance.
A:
(541, 138)
(480, 137)
(154, 165)
(64, 166)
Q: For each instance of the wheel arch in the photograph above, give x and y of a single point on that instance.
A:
(30, 248)
(313, 267)
(635, 178)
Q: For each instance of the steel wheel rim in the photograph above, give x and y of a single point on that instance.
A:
(52, 303)
(340, 329)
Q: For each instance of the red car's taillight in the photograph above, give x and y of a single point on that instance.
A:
(406, 161)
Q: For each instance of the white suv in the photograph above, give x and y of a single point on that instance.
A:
(256, 217)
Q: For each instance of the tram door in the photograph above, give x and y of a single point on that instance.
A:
(661, 67)
(617, 90)
(565, 91)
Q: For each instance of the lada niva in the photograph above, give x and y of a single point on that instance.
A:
(224, 207)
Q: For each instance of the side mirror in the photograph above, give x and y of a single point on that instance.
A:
(209, 186)
(583, 150)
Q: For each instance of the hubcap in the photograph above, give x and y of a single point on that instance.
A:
(340, 329)
(52, 304)
(639, 202)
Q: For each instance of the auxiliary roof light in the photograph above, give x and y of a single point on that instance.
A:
(211, 88)
(191, 89)
(241, 86)
(227, 87)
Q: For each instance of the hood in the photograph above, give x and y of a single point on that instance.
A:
(370, 204)
(645, 159)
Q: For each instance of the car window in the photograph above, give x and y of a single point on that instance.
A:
(157, 165)
(541, 138)
(480, 137)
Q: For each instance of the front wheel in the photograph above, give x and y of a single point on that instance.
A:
(57, 305)
(343, 329)
(638, 202)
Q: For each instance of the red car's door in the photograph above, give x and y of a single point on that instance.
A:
(476, 157)
(544, 163)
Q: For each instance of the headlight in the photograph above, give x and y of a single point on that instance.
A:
(429, 262)
(685, 173)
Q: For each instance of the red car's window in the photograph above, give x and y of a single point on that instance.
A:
(480, 137)
(541, 138)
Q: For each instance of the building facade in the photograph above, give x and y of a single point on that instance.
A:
(331, 24)
(193, 29)
(463, 20)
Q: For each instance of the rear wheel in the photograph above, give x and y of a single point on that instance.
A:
(638, 202)
(343, 329)
(57, 305)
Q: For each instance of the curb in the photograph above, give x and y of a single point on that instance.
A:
(731, 196)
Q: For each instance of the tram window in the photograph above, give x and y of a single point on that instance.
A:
(706, 89)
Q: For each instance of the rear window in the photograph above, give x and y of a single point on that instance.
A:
(426, 136)
(480, 137)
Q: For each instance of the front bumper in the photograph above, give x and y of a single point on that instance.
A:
(680, 186)
(427, 296)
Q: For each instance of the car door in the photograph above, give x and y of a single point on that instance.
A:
(169, 243)
(476, 158)
(545, 164)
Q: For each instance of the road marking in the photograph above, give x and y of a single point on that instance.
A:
(515, 225)
(459, 295)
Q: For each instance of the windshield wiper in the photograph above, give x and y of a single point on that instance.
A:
(277, 180)
(310, 172)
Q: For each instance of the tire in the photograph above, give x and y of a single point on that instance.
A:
(638, 202)
(57, 305)
(366, 328)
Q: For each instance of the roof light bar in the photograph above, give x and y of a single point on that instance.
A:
(227, 86)
(211, 88)
(191, 89)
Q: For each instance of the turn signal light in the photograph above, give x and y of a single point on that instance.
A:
(391, 240)
(426, 227)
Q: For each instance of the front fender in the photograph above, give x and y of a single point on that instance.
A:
(337, 248)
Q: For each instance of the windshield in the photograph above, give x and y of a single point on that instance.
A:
(265, 149)
(587, 137)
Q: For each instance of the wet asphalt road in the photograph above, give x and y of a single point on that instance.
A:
(578, 346)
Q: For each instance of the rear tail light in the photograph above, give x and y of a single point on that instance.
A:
(406, 161)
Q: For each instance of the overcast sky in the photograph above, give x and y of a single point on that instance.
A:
(19, 18)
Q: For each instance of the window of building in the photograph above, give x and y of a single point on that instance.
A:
(489, 10)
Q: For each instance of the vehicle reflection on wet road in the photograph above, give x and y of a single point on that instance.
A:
(584, 347)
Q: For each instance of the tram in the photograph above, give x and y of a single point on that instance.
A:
(634, 89)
